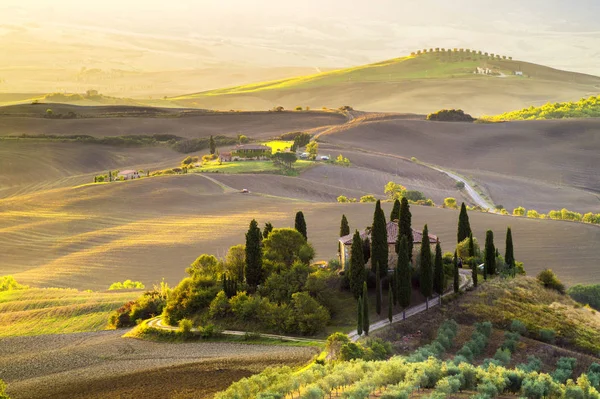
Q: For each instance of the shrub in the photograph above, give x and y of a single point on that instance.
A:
(518, 326)
(205, 265)
(450, 115)
(460, 185)
(547, 335)
(549, 280)
(450, 203)
(533, 364)
(368, 198)
(334, 344)
(149, 305)
(413, 195)
(185, 327)
(244, 306)
(219, 307)
(8, 283)
(584, 294)
(191, 296)
(308, 315)
(503, 356)
(343, 199)
(564, 369)
(127, 285)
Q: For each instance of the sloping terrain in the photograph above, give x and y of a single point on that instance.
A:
(420, 84)
(92, 236)
(559, 153)
(252, 124)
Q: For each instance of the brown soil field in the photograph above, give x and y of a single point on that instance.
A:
(560, 153)
(91, 236)
(70, 164)
(101, 365)
(257, 125)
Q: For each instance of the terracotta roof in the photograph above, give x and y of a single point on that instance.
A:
(253, 147)
(392, 234)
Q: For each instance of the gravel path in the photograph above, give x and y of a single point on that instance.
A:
(34, 367)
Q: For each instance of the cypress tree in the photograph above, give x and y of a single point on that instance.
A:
(490, 253)
(395, 285)
(471, 245)
(426, 272)
(390, 302)
(367, 249)
(464, 227)
(404, 277)
(344, 227)
(405, 228)
(438, 272)
(456, 279)
(212, 145)
(474, 275)
(267, 230)
(109, 176)
(395, 214)
(300, 224)
(379, 245)
(509, 255)
(365, 317)
(378, 291)
(359, 322)
(356, 272)
(253, 255)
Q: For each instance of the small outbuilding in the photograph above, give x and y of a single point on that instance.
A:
(129, 174)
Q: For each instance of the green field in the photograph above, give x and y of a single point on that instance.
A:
(37, 311)
(279, 145)
(584, 108)
(248, 167)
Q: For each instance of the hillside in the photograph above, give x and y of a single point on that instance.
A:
(418, 83)
(584, 108)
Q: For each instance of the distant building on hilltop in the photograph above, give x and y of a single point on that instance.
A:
(345, 244)
(129, 174)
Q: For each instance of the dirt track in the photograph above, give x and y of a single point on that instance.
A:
(100, 365)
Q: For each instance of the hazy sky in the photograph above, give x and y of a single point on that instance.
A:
(179, 34)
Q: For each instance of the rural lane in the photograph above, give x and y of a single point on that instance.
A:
(464, 274)
(478, 199)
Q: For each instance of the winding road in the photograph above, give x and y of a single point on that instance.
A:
(478, 199)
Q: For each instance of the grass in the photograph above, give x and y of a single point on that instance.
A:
(37, 311)
(249, 167)
(279, 145)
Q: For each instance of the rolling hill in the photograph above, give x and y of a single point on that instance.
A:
(416, 83)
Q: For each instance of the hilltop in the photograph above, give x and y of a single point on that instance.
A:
(419, 83)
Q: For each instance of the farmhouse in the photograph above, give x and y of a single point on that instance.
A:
(129, 174)
(250, 152)
(225, 157)
(345, 244)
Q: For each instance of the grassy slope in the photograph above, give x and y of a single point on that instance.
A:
(37, 311)
(408, 84)
(584, 108)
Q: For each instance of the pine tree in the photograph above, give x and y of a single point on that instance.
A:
(344, 227)
(404, 277)
(212, 145)
(490, 253)
(267, 230)
(379, 245)
(471, 245)
(438, 272)
(356, 274)
(378, 291)
(464, 227)
(474, 275)
(405, 228)
(395, 214)
(456, 277)
(509, 255)
(390, 302)
(253, 255)
(365, 317)
(300, 224)
(426, 272)
(359, 322)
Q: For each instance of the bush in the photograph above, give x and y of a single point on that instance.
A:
(185, 327)
(547, 335)
(308, 315)
(244, 306)
(551, 281)
(219, 307)
(149, 305)
(127, 285)
(518, 326)
(584, 294)
(191, 296)
(564, 369)
(343, 199)
(413, 195)
(450, 203)
(8, 283)
(368, 198)
(450, 115)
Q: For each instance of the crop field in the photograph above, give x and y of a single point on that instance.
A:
(36, 311)
(89, 237)
(255, 125)
(279, 145)
(102, 364)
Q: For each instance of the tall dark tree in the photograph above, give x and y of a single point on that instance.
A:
(474, 273)
(390, 302)
(378, 290)
(359, 322)
(395, 285)
(300, 224)
(455, 273)
(253, 256)
(344, 227)
(366, 249)
(404, 277)
(438, 272)
(464, 227)
(365, 317)
(471, 245)
(395, 214)
(212, 145)
(379, 245)
(490, 253)
(356, 272)
(426, 269)
(509, 255)
(405, 227)
(267, 230)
